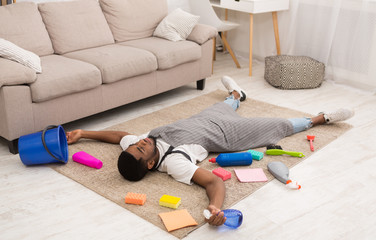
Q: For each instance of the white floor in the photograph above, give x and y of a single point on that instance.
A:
(337, 199)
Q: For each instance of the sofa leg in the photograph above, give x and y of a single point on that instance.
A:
(13, 146)
(200, 84)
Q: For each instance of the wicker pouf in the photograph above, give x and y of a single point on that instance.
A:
(293, 72)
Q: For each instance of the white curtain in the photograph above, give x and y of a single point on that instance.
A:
(339, 33)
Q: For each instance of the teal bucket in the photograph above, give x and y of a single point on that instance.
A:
(48, 146)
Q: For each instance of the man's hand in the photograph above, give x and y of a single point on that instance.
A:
(215, 189)
(103, 136)
(217, 218)
(74, 136)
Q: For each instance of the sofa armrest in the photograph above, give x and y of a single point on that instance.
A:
(16, 112)
(13, 73)
(202, 33)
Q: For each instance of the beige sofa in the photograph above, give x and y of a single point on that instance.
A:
(95, 56)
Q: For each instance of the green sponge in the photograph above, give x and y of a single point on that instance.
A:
(256, 155)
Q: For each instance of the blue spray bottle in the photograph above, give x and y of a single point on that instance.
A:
(234, 218)
(233, 159)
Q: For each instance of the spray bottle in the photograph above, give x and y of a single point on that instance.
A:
(281, 173)
(234, 218)
(233, 159)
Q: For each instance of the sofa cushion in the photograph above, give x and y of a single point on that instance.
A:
(13, 73)
(202, 33)
(75, 25)
(15, 53)
(62, 76)
(169, 54)
(117, 62)
(133, 19)
(176, 26)
(22, 25)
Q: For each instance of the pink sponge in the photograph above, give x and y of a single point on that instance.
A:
(222, 173)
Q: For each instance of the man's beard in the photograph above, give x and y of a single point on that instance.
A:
(154, 139)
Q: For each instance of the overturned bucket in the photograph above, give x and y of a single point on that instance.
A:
(48, 146)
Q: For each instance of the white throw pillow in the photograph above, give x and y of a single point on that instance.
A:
(13, 52)
(176, 26)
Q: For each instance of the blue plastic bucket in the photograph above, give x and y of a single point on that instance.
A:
(48, 146)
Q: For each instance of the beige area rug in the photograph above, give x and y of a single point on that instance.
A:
(108, 182)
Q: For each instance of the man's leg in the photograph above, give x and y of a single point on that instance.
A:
(233, 100)
(236, 93)
(301, 124)
(232, 86)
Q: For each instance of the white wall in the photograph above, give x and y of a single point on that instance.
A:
(183, 4)
(39, 1)
(263, 34)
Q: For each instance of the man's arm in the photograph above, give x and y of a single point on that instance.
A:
(215, 189)
(103, 136)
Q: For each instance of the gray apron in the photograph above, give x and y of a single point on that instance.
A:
(220, 129)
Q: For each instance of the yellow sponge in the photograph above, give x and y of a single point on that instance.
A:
(170, 201)
(135, 198)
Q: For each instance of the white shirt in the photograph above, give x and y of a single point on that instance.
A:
(175, 164)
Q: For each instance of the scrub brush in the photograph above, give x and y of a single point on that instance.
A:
(310, 138)
(277, 150)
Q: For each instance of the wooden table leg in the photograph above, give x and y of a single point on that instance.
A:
(250, 42)
(214, 53)
(276, 32)
(225, 33)
(225, 43)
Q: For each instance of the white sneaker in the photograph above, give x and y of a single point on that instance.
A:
(338, 115)
(231, 85)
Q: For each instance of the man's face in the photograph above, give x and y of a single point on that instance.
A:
(144, 149)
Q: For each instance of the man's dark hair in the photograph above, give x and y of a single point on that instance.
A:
(131, 168)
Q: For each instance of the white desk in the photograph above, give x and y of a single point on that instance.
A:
(254, 7)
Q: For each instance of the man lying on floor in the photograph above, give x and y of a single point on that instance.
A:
(177, 147)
